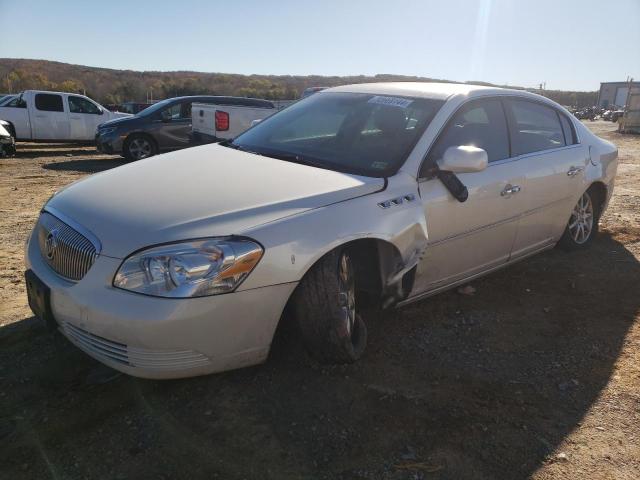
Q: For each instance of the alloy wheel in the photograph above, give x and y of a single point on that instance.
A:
(347, 292)
(140, 148)
(581, 221)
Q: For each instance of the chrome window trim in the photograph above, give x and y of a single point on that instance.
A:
(76, 226)
(524, 156)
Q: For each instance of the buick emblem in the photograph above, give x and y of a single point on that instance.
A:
(51, 244)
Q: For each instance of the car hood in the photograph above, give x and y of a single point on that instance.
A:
(198, 192)
(118, 118)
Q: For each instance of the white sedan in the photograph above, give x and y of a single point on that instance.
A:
(183, 264)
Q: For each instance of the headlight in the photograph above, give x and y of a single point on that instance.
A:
(189, 269)
(107, 130)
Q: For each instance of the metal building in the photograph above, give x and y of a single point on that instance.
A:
(615, 93)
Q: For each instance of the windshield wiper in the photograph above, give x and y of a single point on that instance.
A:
(230, 144)
(287, 157)
(293, 158)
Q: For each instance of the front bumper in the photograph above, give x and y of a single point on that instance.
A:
(161, 338)
(110, 144)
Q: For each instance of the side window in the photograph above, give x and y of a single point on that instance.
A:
(537, 127)
(173, 112)
(48, 102)
(185, 111)
(480, 123)
(568, 129)
(82, 105)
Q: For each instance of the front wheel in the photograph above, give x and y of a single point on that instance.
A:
(325, 309)
(583, 223)
(138, 147)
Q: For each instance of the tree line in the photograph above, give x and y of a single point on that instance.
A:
(109, 86)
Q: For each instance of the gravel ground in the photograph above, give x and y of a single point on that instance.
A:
(535, 375)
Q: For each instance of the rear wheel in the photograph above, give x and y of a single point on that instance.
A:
(583, 223)
(325, 309)
(138, 147)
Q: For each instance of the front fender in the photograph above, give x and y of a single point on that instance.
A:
(293, 244)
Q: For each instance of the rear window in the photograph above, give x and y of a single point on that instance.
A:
(48, 102)
(537, 127)
(568, 129)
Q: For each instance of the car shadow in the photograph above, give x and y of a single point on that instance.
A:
(36, 150)
(85, 165)
(485, 386)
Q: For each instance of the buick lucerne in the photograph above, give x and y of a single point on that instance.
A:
(183, 264)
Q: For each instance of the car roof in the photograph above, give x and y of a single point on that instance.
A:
(433, 90)
(227, 100)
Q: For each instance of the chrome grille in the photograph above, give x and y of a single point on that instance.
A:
(106, 349)
(68, 252)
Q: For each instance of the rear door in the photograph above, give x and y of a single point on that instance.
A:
(545, 142)
(475, 236)
(84, 117)
(50, 119)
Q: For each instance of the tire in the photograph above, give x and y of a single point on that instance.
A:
(138, 146)
(324, 308)
(582, 226)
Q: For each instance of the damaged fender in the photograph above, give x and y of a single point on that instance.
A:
(393, 216)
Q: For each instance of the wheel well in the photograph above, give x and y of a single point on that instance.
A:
(140, 134)
(375, 262)
(12, 129)
(599, 190)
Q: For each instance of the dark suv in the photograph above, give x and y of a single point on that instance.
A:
(163, 126)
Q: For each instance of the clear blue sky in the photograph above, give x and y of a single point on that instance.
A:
(569, 44)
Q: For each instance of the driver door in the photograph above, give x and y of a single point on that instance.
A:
(173, 127)
(84, 118)
(468, 238)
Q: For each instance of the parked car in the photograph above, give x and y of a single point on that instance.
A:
(7, 140)
(164, 126)
(212, 122)
(184, 265)
(616, 114)
(54, 116)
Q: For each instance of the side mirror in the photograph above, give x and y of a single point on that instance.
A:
(463, 159)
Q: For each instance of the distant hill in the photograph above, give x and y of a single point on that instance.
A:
(117, 86)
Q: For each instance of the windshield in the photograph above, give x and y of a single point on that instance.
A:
(358, 133)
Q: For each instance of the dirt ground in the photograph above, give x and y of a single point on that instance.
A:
(536, 375)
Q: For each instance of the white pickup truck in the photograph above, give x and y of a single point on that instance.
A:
(213, 123)
(55, 116)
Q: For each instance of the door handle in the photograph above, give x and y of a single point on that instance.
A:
(573, 171)
(510, 190)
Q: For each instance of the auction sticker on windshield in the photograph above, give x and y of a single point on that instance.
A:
(390, 101)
